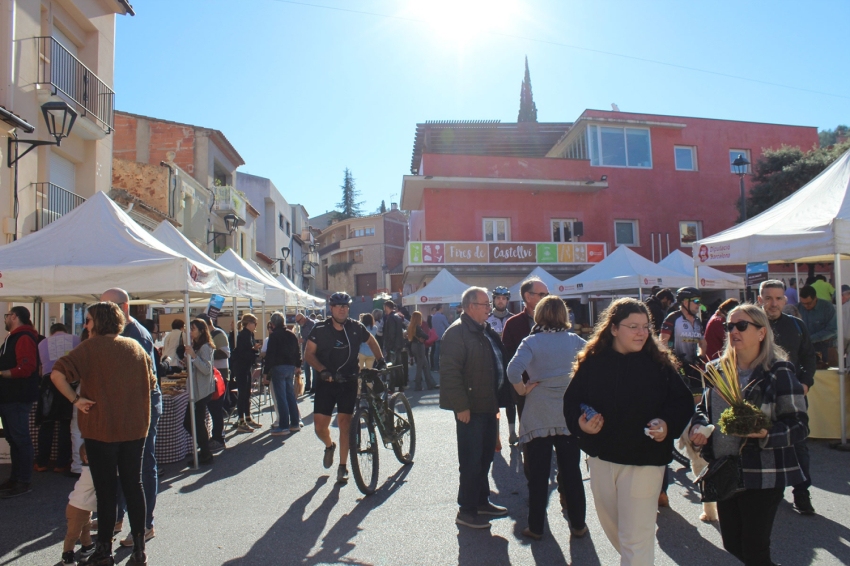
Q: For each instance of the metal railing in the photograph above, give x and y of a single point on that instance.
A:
(52, 201)
(66, 74)
(228, 199)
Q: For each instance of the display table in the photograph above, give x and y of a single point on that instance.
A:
(173, 442)
(824, 408)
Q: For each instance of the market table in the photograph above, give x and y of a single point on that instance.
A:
(173, 442)
(824, 408)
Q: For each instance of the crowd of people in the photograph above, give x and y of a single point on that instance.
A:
(623, 397)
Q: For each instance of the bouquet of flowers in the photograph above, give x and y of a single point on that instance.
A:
(741, 417)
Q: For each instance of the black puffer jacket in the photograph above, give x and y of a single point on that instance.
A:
(629, 390)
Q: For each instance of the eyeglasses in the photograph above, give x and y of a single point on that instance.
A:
(638, 327)
(487, 304)
(8, 314)
(696, 301)
(541, 295)
(741, 325)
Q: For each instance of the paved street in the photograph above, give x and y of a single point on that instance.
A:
(268, 501)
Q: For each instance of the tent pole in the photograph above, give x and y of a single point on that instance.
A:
(696, 275)
(797, 281)
(640, 293)
(840, 315)
(190, 382)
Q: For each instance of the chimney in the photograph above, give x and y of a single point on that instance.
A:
(393, 206)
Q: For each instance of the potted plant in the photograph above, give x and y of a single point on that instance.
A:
(741, 417)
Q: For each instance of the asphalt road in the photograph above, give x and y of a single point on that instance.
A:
(270, 501)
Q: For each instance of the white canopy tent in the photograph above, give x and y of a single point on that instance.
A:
(443, 288)
(303, 298)
(622, 270)
(95, 247)
(706, 278)
(276, 294)
(548, 279)
(811, 225)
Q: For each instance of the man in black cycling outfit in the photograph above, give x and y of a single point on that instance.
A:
(331, 351)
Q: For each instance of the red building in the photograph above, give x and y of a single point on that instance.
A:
(654, 183)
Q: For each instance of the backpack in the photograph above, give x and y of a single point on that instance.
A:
(220, 386)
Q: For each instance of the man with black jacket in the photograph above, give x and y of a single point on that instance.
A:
(791, 334)
(658, 305)
(282, 364)
(472, 382)
(18, 391)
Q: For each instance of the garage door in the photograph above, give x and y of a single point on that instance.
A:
(367, 284)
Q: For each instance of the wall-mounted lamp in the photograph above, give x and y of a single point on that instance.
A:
(284, 252)
(230, 223)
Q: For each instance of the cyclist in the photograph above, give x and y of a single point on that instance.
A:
(500, 314)
(331, 351)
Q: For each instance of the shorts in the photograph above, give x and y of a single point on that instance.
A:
(83, 497)
(343, 396)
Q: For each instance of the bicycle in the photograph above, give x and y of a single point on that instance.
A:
(393, 417)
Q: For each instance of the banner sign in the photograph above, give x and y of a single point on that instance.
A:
(460, 253)
(756, 273)
(216, 302)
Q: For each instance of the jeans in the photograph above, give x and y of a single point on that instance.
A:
(436, 365)
(125, 457)
(308, 375)
(150, 477)
(16, 424)
(422, 367)
(284, 389)
(539, 455)
(476, 446)
(200, 424)
(746, 521)
(45, 443)
(802, 450)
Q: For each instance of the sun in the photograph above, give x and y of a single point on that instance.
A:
(463, 21)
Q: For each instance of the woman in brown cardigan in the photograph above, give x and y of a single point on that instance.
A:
(116, 377)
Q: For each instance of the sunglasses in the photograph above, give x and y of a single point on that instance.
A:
(741, 325)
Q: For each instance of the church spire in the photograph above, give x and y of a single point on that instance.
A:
(527, 108)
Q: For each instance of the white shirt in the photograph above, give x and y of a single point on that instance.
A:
(169, 345)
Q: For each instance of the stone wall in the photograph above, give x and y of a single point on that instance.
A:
(147, 182)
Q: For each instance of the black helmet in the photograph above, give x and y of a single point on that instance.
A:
(501, 292)
(686, 293)
(338, 299)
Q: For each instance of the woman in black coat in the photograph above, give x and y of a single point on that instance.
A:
(243, 359)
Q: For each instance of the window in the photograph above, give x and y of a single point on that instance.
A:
(496, 229)
(685, 158)
(733, 155)
(619, 147)
(361, 232)
(625, 233)
(280, 221)
(689, 232)
(289, 272)
(357, 256)
(287, 228)
(562, 230)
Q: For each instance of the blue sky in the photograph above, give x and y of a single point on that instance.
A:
(304, 91)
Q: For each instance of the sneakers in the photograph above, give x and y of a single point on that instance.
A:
(85, 553)
(7, 485)
(663, 500)
(803, 503)
(296, 428)
(68, 558)
(36, 467)
(578, 533)
(149, 534)
(527, 532)
(20, 488)
(472, 521)
(252, 423)
(492, 509)
(513, 439)
(342, 474)
(243, 426)
(216, 445)
(328, 460)
(102, 555)
(279, 432)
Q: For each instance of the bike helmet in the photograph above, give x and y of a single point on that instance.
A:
(686, 293)
(501, 292)
(338, 299)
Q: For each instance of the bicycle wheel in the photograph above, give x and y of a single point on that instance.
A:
(363, 448)
(403, 427)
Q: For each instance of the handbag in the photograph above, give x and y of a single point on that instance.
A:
(52, 405)
(722, 478)
(219, 385)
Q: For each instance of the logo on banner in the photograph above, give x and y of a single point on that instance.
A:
(423, 299)
(702, 282)
(703, 253)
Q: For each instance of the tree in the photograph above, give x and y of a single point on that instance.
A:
(527, 108)
(349, 206)
(831, 137)
(383, 208)
(781, 172)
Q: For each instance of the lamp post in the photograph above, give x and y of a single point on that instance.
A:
(59, 118)
(284, 252)
(230, 223)
(740, 167)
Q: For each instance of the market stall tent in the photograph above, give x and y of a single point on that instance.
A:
(443, 288)
(707, 278)
(276, 294)
(303, 298)
(547, 278)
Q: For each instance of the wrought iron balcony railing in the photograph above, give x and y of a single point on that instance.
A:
(65, 73)
(51, 202)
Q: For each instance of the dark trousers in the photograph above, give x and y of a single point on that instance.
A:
(476, 446)
(665, 483)
(539, 457)
(802, 450)
(307, 371)
(125, 457)
(200, 424)
(243, 385)
(16, 427)
(216, 409)
(45, 443)
(746, 521)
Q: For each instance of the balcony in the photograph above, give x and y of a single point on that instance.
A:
(329, 248)
(52, 202)
(230, 201)
(65, 74)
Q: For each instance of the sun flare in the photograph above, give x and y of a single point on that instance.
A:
(463, 21)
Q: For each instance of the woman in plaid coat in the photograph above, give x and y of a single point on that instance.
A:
(768, 459)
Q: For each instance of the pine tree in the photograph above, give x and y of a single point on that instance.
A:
(349, 206)
(383, 208)
(527, 108)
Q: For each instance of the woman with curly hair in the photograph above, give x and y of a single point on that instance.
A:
(626, 404)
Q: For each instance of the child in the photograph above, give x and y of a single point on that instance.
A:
(81, 503)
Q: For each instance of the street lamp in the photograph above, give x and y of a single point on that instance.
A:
(59, 118)
(285, 253)
(740, 167)
(230, 223)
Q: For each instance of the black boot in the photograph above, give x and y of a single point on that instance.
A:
(139, 557)
(102, 554)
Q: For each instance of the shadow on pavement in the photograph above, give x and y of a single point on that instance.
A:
(683, 543)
